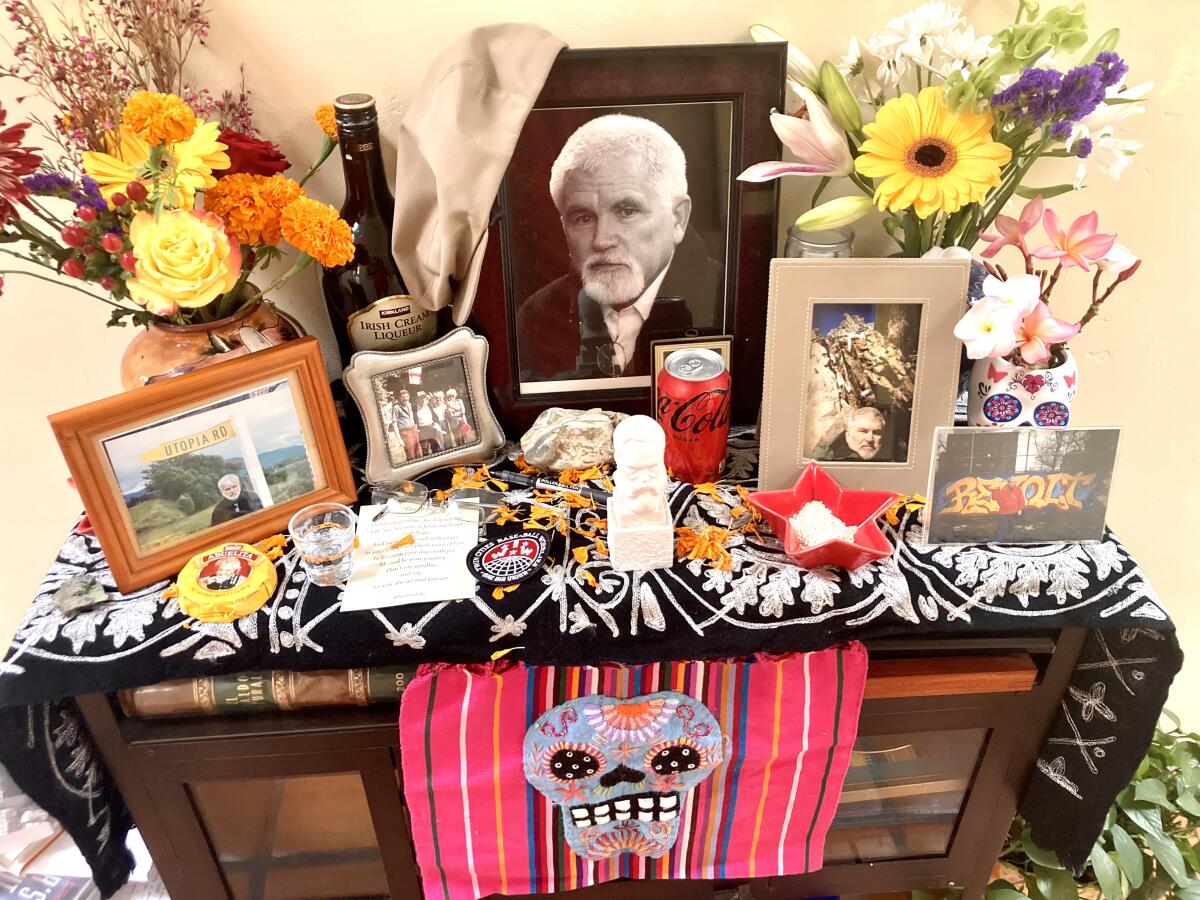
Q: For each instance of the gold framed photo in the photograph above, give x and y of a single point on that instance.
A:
(861, 367)
(226, 453)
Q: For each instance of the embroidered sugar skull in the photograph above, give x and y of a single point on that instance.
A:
(619, 770)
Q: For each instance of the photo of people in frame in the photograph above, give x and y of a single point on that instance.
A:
(616, 235)
(425, 410)
(862, 379)
(211, 465)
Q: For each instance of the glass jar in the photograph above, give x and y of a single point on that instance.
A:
(832, 243)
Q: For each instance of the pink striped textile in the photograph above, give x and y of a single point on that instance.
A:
(480, 828)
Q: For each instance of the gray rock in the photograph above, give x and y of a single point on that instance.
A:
(570, 438)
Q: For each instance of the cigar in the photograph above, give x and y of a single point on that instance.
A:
(541, 482)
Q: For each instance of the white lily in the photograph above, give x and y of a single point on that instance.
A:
(812, 137)
(1110, 153)
(799, 67)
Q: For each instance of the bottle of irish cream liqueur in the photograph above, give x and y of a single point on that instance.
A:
(368, 302)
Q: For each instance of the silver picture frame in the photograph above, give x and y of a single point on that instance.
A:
(455, 363)
(927, 297)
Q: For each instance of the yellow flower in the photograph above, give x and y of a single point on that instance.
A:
(324, 118)
(194, 161)
(930, 158)
(158, 118)
(184, 259)
(316, 229)
(250, 205)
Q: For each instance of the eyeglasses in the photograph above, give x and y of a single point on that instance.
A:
(611, 359)
(410, 498)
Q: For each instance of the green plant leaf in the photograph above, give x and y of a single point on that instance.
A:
(1145, 816)
(1189, 891)
(1107, 873)
(1003, 890)
(921, 895)
(1168, 856)
(1045, 193)
(1151, 790)
(1045, 858)
(1188, 803)
(1056, 884)
(1129, 855)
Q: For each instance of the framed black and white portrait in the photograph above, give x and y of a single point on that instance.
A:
(622, 224)
(861, 367)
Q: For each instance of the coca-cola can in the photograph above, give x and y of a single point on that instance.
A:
(692, 407)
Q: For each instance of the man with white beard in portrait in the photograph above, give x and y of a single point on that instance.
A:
(620, 187)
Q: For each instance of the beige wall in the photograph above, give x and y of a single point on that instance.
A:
(1136, 362)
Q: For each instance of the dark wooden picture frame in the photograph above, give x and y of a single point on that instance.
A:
(751, 78)
(81, 431)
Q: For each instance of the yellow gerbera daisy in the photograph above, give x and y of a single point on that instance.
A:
(194, 159)
(930, 158)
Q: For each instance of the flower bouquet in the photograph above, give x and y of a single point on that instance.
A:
(958, 120)
(165, 211)
(1025, 373)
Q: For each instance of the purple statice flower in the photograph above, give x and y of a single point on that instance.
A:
(88, 194)
(46, 182)
(1115, 68)
(1083, 149)
(1047, 98)
(1081, 92)
(1030, 99)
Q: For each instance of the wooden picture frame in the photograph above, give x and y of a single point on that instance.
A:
(276, 393)
(743, 81)
(860, 345)
(374, 379)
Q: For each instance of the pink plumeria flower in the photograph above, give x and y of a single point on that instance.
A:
(989, 328)
(1079, 246)
(1040, 331)
(1010, 231)
(814, 139)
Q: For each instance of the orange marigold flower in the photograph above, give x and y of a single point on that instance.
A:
(324, 118)
(252, 205)
(158, 118)
(317, 229)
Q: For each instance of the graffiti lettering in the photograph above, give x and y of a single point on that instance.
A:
(975, 496)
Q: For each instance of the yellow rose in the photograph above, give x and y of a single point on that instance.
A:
(184, 259)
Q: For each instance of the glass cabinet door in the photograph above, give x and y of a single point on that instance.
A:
(291, 837)
(903, 795)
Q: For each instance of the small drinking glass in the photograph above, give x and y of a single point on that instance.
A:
(324, 537)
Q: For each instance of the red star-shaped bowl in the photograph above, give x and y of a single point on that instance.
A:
(859, 508)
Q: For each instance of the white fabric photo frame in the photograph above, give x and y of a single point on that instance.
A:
(937, 287)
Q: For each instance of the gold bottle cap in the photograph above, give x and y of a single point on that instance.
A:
(225, 583)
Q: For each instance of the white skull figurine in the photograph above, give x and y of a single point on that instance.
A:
(1005, 395)
(619, 769)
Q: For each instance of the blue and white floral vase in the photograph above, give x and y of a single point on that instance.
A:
(1004, 394)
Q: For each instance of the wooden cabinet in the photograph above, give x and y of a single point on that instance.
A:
(309, 804)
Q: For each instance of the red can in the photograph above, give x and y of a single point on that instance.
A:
(693, 409)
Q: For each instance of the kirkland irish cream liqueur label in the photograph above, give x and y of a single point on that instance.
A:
(393, 323)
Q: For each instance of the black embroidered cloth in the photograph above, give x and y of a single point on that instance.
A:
(692, 611)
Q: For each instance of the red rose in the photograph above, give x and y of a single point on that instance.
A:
(250, 155)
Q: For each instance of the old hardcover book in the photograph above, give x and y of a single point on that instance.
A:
(250, 692)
